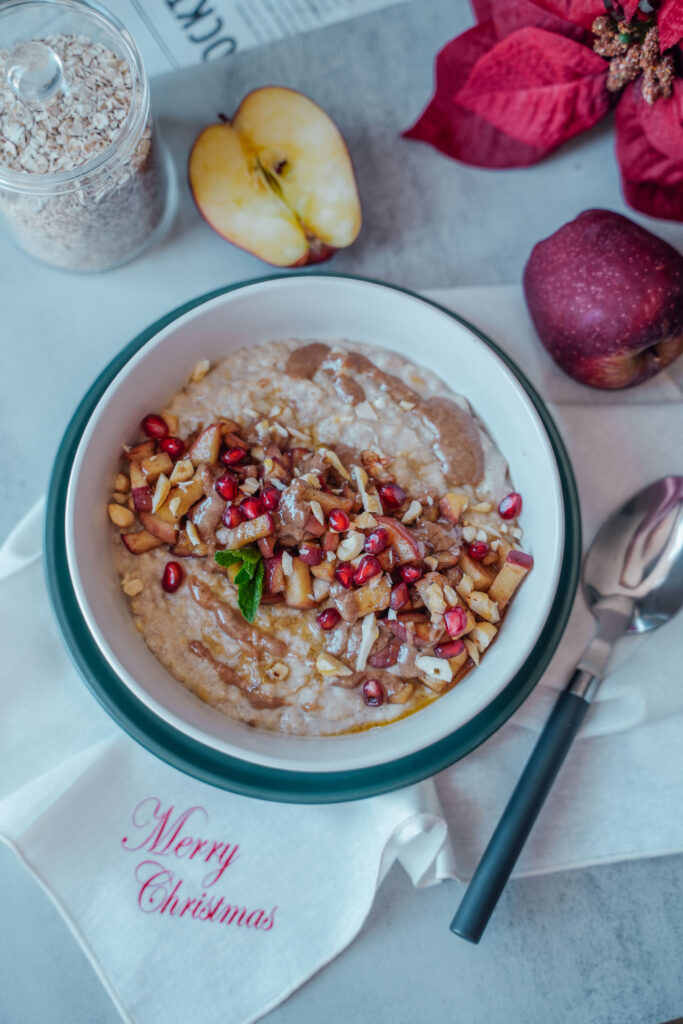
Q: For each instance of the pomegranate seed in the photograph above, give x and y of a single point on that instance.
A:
(328, 619)
(478, 550)
(232, 517)
(411, 573)
(367, 568)
(233, 456)
(344, 574)
(311, 554)
(172, 578)
(251, 507)
(391, 495)
(399, 596)
(226, 486)
(373, 693)
(510, 506)
(338, 520)
(173, 446)
(154, 426)
(270, 497)
(376, 541)
(449, 650)
(456, 622)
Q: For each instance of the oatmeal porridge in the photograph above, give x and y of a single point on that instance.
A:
(316, 537)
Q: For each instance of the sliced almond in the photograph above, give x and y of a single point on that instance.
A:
(327, 665)
(369, 633)
(287, 563)
(336, 462)
(182, 471)
(317, 510)
(161, 492)
(435, 673)
(472, 650)
(193, 534)
(468, 534)
(450, 595)
(482, 506)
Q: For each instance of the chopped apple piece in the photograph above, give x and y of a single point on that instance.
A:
(482, 577)
(452, 506)
(407, 547)
(482, 635)
(298, 585)
(274, 578)
(184, 496)
(402, 694)
(207, 446)
(373, 596)
(182, 471)
(138, 543)
(140, 451)
(323, 571)
(248, 532)
(517, 565)
(155, 465)
(277, 180)
(184, 548)
(142, 498)
(158, 527)
(482, 605)
(458, 661)
(328, 501)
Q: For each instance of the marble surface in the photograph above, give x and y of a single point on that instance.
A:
(599, 945)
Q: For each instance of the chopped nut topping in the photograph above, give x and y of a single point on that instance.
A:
(200, 370)
(161, 492)
(122, 483)
(317, 511)
(193, 534)
(414, 510)
(327, 665)
(120, 516)
(132, 586)
(469, 534)
(336, 462)
(119, 498)
(351, 546)
(277, 671)
(482, 506)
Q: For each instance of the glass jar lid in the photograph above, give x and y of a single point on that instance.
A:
(74, 97)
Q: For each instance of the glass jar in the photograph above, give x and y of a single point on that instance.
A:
(84, 179)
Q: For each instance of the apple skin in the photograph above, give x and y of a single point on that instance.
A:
(606, 297)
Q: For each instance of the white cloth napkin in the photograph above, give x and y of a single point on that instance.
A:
(193, 903)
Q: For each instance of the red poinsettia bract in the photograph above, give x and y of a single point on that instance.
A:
(525, 79)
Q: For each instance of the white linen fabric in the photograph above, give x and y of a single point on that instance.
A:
(197, 902)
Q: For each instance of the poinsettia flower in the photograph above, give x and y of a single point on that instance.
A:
(525, 79)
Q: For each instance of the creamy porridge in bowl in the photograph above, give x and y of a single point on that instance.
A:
(316, 537)
(343, 660)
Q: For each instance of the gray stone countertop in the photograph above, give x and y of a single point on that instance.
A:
(600, 945)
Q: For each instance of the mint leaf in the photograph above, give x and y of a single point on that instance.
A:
(249, 579)
(249, 593)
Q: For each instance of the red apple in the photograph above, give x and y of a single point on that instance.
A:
(277, 180)
(606, 297)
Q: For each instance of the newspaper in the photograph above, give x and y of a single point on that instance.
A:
(175, 34)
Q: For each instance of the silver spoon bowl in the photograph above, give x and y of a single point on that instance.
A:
(633, 583)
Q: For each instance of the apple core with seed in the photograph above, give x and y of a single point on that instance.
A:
(277, 180)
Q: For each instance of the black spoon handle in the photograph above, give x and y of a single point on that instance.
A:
(519, 816)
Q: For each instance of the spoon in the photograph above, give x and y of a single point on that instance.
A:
(633, 583)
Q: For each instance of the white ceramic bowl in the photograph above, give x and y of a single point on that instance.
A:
(313, 306)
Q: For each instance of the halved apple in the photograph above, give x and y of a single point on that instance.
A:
(277, 180)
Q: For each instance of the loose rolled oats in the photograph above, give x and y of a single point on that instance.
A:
(97, 219)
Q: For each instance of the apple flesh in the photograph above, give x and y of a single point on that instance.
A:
(606, 297)
(277, 180)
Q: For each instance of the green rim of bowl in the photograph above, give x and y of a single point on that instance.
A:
(219, 769)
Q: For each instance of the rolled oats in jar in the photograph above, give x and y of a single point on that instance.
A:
(83, 175)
